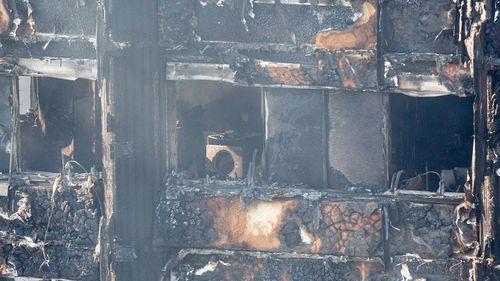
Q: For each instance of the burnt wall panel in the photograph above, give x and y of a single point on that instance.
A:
(419, 26)
(190, 219)
(427, 230)
(336, 26)
(71, 17)
(357, 141)
(294, 142)
(270, 24)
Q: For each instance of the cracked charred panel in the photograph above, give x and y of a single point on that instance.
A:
(71, 237)
(357, 141)
(4, 16)
(280, 224)
(294, 138)
(74, 17)
(256, 268)
(361, 35)
(419, 26)
(429, 231)
(353, 229)
(350, 71)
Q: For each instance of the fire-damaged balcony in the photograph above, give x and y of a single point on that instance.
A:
(51, 196)
(249, 140)
(348, 179)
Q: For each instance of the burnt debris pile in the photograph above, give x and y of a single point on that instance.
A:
(51, 230)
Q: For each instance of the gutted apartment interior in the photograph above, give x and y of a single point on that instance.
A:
(249, 140)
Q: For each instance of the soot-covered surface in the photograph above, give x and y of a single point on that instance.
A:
(52, 238)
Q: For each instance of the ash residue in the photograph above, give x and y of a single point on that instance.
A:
(177, 23)
(247, 69)
(419, 26)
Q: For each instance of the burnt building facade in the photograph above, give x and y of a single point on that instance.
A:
(249, 139)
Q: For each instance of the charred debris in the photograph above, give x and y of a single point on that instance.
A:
(249, 140)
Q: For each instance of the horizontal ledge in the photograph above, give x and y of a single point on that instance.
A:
(268, 193)
(47, 37)
(62, 68)
(181, 71)
(276, 47)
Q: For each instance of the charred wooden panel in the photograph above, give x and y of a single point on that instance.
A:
(419, 26)
(294, 143)
(357, 141)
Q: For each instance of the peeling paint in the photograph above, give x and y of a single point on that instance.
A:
(455, 72)
(4, 17)
(347, 73)
(286, 73)
(361, 36)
